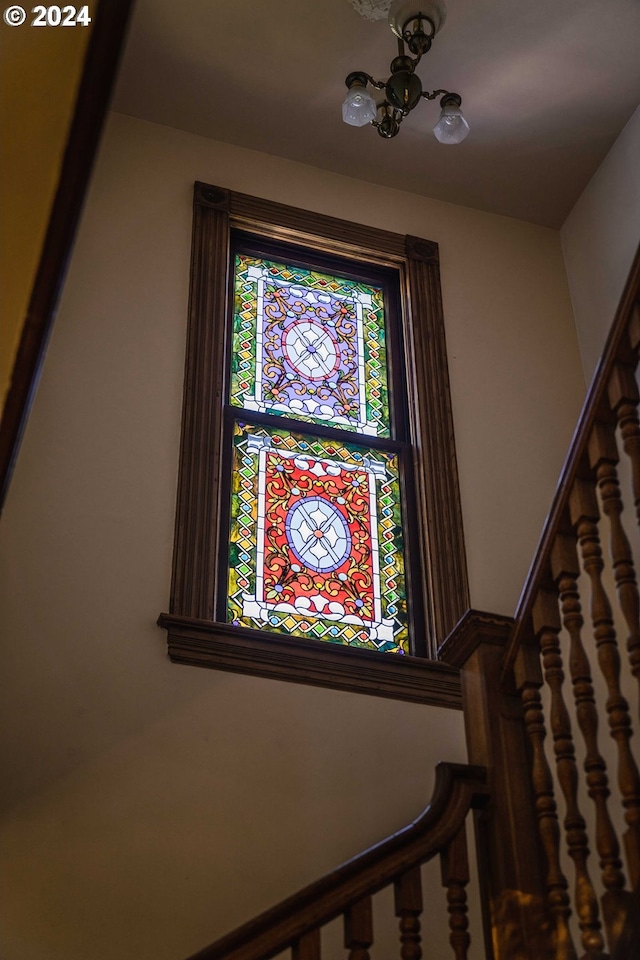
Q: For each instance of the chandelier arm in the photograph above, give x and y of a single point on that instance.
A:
(381, 106)
(434, 94)
(388, 110)
(406, 34)
(378, 84)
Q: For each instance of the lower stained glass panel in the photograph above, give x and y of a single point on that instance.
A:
(316, 540)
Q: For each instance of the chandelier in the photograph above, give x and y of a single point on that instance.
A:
(415, 23)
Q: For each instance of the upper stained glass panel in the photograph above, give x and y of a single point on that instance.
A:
(316, 540)
(309, 346)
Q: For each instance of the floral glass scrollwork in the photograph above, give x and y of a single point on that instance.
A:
(316, 539)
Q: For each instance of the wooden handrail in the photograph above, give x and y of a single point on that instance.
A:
(99, 72)
(458, 788)
(296, 922)
(616, 350)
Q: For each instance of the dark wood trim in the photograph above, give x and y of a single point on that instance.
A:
(99, 71)
(457, 789)
(316, 430)
(445, 583)
(195, 636)
(280, 221)
(425, 250)
(218, 198)
(474, 628)
(510, 860)
(195, 569)
(222, 646)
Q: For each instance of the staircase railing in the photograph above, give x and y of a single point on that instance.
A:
(513, 686)
(553, 635)
(440, 830)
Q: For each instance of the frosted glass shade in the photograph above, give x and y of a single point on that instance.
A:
(403, 10)
(452, 126)
(359, 107)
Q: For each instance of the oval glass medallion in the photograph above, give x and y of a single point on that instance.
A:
(318, 534)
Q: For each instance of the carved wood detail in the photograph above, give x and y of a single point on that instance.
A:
(633, 329)
(624, 398)
(358, 929)
(419, 249)
(510, 857)
(307, 947)
(408, 900)
(603, 454)
(529, 681)
(585, 516)
(566, 569)
(454, 864)
(475, 628)
(547, 625)
(218, 198)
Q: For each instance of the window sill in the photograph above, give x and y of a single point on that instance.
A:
(220, 646)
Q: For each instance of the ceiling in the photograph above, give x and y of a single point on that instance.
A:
(547, 86)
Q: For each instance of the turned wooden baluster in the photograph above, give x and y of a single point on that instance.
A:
(358, 929)
(624, 398)
(408, 899)
(529, 681)
(633, 329)
(547, 626)
(566, 569)
(454, 866)
(307, 947)
(584, 516)
(603, 453)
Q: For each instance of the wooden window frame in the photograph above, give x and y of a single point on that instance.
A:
(194, 635)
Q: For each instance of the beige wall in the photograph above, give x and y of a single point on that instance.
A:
(599, 240)
(39, 75)
(151, 807)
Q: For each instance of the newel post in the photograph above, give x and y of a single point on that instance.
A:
(510, 860)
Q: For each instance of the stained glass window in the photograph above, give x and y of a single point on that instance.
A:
(310, 346)
(316, 539)
(315, 527)
(318, 525)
